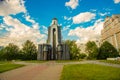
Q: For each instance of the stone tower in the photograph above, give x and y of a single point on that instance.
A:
(54, 36)
(54, 49)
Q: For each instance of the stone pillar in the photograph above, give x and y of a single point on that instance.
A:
(66, 55)
(59, 52)
(45, 52)
(40, 52)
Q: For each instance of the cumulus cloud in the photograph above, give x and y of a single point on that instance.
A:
(14, 30)
(83, 17)
(116, 1)
(72, 4)
(8, 7)
(89, 33)
(20, 32)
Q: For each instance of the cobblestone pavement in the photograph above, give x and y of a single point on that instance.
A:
(43, 71)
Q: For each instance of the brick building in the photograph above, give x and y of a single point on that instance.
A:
(111, 31)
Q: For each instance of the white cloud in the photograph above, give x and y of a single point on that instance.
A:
(89, 33)
(44, 29)
(60, 24)
(83, 17)
(35, 26)
(16, 31)
(21, 32)
(103, 14)
(72, 4)
(29, 19)
(66, 28)
(8, 7)
(1, 26)
(116, 1)
(93, 10)
(67, 18)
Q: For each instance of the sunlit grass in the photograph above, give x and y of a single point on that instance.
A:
(6, 66)
(90, 72)
(111, 61)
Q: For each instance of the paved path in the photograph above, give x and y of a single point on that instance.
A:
(43, 71)
(92, 62)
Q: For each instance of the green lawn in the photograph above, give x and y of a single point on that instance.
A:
(111, 61)
(90, 72)
(6, 66)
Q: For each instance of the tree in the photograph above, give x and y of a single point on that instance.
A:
(2, 54)
(107, 50)
(91, 49)
(82, 55)
(74, 50)
(29, 51)
(10, 52)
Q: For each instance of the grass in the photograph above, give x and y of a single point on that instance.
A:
(111, 61)
(6, 66)
(90, 72)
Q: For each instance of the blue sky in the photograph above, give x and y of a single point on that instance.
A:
(80, 20)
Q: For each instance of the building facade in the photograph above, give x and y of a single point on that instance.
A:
(111, 31)
(54, 49)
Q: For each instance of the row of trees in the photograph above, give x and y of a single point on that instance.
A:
(13, 52)
(106, 50)
(29, 51)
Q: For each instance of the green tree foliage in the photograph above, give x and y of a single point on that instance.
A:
(10, 52)
(82, 55)
(107, 50)
(91, 49)
(2, 54)
(74, 50)
(29, 51)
